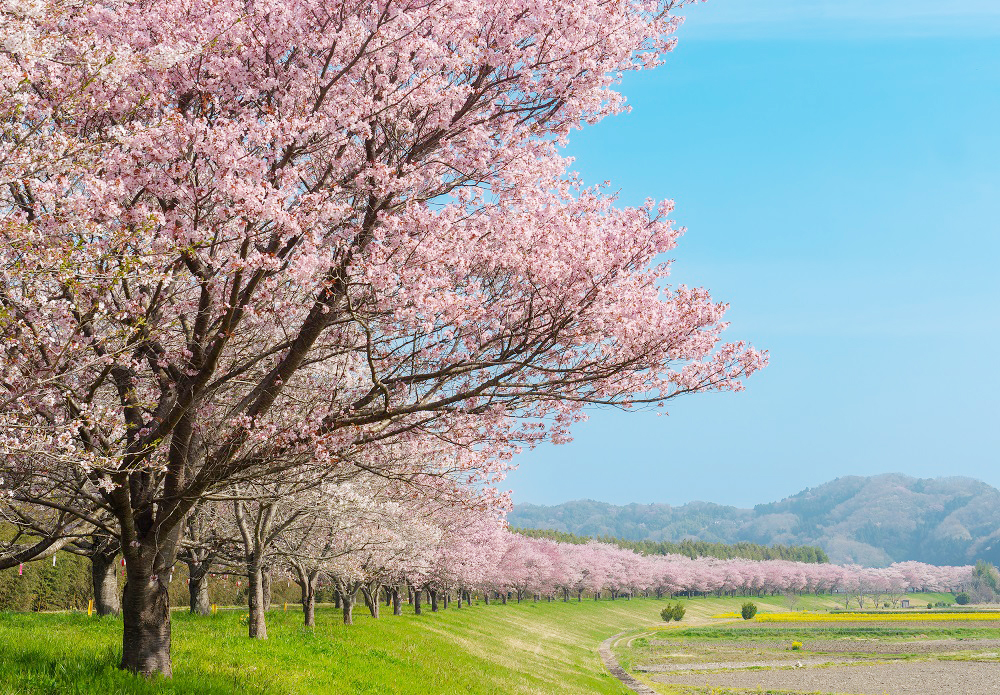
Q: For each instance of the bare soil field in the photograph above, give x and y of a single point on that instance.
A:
(851, 646)
(792, 626)
(899, 678)
(951, 656)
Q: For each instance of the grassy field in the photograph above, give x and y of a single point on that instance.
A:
(538, 648)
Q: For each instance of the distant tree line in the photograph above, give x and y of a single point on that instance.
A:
(694, 549)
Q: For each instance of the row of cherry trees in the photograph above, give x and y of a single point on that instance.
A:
(377, 542)
(255, 252)
(540, 566)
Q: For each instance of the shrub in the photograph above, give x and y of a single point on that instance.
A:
(796, 646)
(673, 611)
(749, 610)
(679, 611)
(962, 598)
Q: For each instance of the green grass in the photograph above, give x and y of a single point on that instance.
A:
(532, 648)
(528, 648)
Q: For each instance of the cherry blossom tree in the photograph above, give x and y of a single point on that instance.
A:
(205, 544)
(212, 209)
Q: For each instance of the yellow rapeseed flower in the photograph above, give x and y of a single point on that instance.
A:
(872, 617)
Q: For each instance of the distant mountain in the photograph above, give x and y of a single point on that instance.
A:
(873, 521)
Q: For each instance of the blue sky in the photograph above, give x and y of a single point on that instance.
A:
(837, 165)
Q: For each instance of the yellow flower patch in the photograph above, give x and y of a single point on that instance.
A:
(811, 617)
(806, 617)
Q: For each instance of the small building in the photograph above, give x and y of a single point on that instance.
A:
(905, 603)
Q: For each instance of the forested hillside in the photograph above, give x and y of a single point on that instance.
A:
(869, 520)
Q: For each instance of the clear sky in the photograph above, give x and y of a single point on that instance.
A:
(837, 165)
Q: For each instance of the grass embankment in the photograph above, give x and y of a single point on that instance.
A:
(529, 648)
(543, 648)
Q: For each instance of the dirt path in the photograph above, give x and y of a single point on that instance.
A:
(611, 663)
(629, 681)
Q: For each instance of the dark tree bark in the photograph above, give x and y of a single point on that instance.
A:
(266, 588)
(255, 596)
(397, 604)
(309, 608)
(347, 601)
(200, 603)
(416, 601)
(104, 573)
(146, 616)
(307, 583)
(434, 600)
(371, 600)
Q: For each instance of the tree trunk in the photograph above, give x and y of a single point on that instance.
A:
(434, 600)
(416, 601)
(146, 614)
(255, 596)
(503, 597)
(336, 598)
(266, 584)
(347, 599)
(397, 604)
(388, 596)
(486, 598)
(104, 574)
(458, 599)
(371, 600)
(308, 602)
(198, 592)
